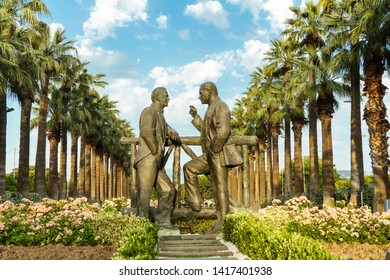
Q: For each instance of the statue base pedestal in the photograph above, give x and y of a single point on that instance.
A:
(177, 212)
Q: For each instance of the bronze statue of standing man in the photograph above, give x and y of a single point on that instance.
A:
(215, 131)
(149, 159)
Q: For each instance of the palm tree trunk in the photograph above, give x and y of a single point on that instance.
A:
(357, 168)
(269, 168)
(262, 179)
(327, 161)
(314, 183)
(94, 191)
(275, 161)
(298, 160)
(378, 126)
(110, 186)
(81, 181)
(63, 163)
(88, 147)
(102, 178)
(53, 168)
(325, 110)
(3, 138)
(106, 175)
(73, 166)
(287, 157)
(24, 145)
(98, 180)
(40, 159)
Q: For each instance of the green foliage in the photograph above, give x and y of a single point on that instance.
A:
(205, 187)
(368, 194)
(262, 241)
(197, 225)
(10, 182)
(115, 204)
(138, 241)
(14, 197)
(17, 198)
(110, 226)
(316, 197)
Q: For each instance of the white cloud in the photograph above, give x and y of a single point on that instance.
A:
(113, 63)
(210, 11)
(162, 22)
(252, 6)
(131, 96)
(184, 34)
(252, 55)
(278, 14)
(278, 11)
(106, 15)
(188, 75)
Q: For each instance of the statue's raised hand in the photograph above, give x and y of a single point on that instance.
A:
(193, 111)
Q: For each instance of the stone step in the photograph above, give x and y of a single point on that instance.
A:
(188, 242)
(188, 237)
(192, 246)
(184, 249)
(194, 255)
(202, 258)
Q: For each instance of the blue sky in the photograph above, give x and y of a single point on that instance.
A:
(141, 44)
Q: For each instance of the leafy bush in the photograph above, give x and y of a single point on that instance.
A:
(197, 225)
(138, 241)
(17, 198)
(14, 197)
(110, 226)
(262, 241)
(115, 204)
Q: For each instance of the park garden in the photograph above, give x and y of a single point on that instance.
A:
(327, 50)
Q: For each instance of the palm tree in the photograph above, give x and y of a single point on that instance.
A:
(373, 31)
(282, 55)
(270, 91)
(340, 22)
(247, 121)
(25, 91)
(14, 13)
(305, 27)
(55, 50)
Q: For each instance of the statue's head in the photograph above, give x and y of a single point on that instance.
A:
(160, 96)
(207, 91)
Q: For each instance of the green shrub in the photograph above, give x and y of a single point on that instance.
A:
(138, 241)
(110, 226)
(261, 241)
(14, 197)
(197, 225)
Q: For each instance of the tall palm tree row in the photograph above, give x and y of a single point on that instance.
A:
(19, 20)
(317, 59)
(40, 66)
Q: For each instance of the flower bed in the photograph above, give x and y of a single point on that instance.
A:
(295, 229)
(76, 222)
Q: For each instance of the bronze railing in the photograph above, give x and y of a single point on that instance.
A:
(243, 181)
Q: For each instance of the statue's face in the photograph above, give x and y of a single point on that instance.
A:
(164, 99)
(204, 96)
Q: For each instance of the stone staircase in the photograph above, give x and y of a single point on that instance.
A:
(192, 246)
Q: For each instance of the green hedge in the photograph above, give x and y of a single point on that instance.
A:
(138, 241)
(261, 241)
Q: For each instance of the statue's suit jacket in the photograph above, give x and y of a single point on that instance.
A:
(153, 134)
(215, 132)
